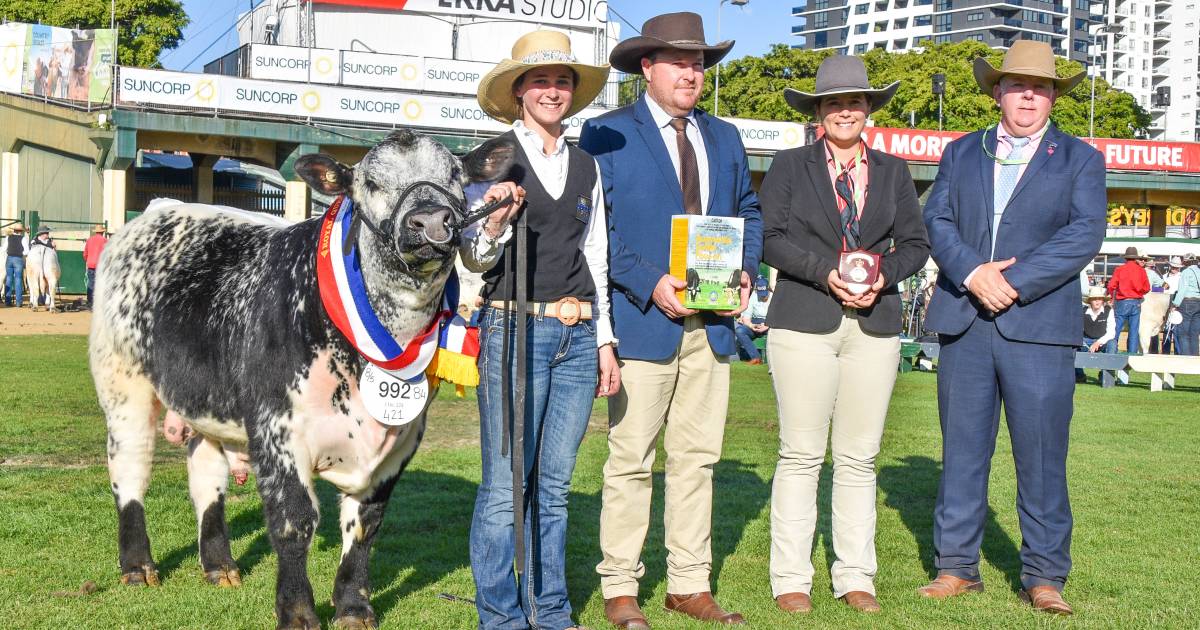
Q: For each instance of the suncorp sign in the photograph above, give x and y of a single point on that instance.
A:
(365, 69)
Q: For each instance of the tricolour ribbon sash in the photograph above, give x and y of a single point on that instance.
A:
(344, 295)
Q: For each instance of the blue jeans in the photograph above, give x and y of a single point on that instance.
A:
(1087, 345)
(1187, 333)
(1128, 311)
(91, 285)
(14, 279)
(560, 388)
(745, 340)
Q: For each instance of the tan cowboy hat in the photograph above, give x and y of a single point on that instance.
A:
(1095, 293)
(1025, 57)
(682, 31)
(840, 74)
(539, 48)
(98, 229)
(18, 229)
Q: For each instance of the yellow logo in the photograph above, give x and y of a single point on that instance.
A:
(12, 60)
(408, 72)
(791, 136)
(412, 110)
(311, 100)
(324, 65)
(206, 90)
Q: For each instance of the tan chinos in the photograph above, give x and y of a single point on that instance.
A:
(689, 393)
(845, 376)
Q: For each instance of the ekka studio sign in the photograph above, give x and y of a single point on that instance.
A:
(919, 145)
(577, 13)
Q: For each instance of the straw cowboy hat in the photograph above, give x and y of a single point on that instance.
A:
(539, 48)
(1175, 262)
(840, 74)
(1095, 293)
(681, 31)
(98, 229)
(1132, 253)
(1025, 57)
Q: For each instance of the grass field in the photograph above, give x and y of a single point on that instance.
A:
(1135, 484)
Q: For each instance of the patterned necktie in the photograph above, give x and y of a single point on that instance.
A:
(1005, 183)
(689, 172)
(844, 186)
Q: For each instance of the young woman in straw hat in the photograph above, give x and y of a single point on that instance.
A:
(570, 340)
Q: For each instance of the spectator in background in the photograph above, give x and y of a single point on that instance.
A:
(1187, 300)
(91, 259)
(1174, 270)
(753, 322)
(1156, 281)
(1128, 286)
(1099, 328)
(16, 247)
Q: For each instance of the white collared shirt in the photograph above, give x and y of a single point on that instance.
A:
(663, 121)
(480, 252)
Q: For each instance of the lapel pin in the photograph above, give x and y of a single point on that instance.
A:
(1050, 147)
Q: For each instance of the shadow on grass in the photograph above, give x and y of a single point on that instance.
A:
(911, 490)
(739, 495)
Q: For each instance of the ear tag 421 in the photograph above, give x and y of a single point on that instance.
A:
(392, 400)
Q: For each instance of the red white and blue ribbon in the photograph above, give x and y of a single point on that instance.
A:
(344, 295)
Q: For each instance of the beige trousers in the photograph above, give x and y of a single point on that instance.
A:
(689, 393)
(847, 376)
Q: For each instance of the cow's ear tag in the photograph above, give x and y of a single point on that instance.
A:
(390, 399)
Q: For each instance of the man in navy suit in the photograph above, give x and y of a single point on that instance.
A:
(1016, 211)
(661, 157)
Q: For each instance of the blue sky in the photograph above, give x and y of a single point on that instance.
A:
(755, 26)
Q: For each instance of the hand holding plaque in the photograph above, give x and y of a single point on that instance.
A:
(859, 269)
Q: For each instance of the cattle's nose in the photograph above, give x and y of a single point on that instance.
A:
(432, 223)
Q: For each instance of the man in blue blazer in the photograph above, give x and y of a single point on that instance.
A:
(1016, 211)
(661, 157)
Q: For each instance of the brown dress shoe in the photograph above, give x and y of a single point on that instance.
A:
(861, 601)
(946, 586)
(1046, 599)
(623, 612)
(794, 602)
(702, 606)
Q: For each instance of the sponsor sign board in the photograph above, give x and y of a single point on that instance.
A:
(56, 63)
(768, 135)
(292, 63)
(918, 145)
(365, 69)
(577, 13)
(13, 36)
(453, 76)
(396, 72)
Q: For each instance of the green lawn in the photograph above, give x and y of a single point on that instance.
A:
(1135, 483)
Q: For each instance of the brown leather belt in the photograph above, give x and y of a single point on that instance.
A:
(568, 310)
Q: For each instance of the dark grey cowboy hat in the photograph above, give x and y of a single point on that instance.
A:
(682, 31)
(840, 74)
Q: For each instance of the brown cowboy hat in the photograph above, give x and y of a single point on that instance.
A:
(682, 31)
(538, 48)
(840, 74)
(1025, 57)
(1132, 253)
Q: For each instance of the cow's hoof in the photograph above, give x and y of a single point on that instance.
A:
(224, 577)
(352, 622)
(145, 575)
(300, 617)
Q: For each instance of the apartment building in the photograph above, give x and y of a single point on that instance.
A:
(1139, 46)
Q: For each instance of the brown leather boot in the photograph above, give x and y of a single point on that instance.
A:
(702, 606)
(861, 601)
(623, 612)
(1046, 599)
(794, 602)
(946, 586)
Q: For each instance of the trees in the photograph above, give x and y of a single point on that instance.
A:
(145, 27)
(752, 87)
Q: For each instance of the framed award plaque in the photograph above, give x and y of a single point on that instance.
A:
(859, 269)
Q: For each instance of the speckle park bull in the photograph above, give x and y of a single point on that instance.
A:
(216, 316)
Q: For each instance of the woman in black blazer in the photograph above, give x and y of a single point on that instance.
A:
(834, 345)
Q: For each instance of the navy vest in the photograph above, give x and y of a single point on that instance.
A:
(557, 228)
(14, 245)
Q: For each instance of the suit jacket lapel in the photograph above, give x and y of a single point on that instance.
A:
(710, 144)
(652, 136)
(818, 172)
(987, 176)
(1045, 150)
(873, 213)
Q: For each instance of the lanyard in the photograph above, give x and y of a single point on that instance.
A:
(998, 160)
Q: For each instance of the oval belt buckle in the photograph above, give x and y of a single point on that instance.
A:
(568, 318)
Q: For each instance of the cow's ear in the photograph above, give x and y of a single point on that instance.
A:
(489, 161)
(324, 173)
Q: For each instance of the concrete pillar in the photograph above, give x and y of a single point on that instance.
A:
(9, 176)
(296, 201)
(202, 176)
(114, 198)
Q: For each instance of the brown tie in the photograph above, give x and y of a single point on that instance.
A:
(689, 172)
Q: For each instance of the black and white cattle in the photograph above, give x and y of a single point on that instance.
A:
(215, 316)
